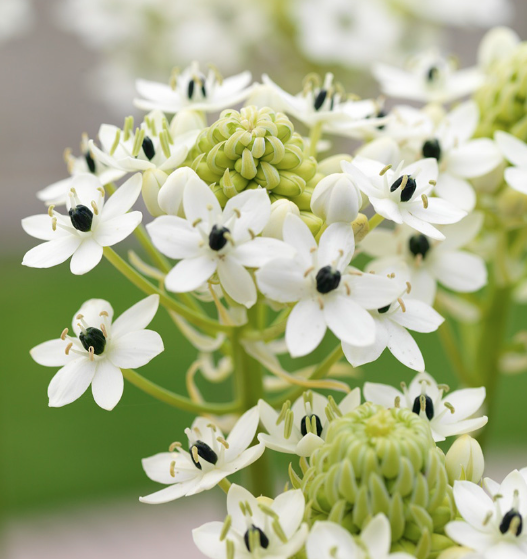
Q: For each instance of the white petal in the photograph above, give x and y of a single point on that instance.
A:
(325, 536)
(279, 444)
(458, 270)
(254, 210)
(52, 353)
(242, 433)
(237, 281)
(507, 550)
(189, 274)
(55, 193)
(424, 171)
(107, 385)
(308, 444)
(290, 508)
(51, 253)
(474, 159)
(460, 124)
(123, 198)
(171, 493)
(137, 317)
(87, 187)
(418, 317)
(461, 233)
(171, 193)
(86, 257)
(91, 311)
(116, 229)
(350, 402)
(472, 502)
(71, 382)
(382, 394)
(360, 355)
(387, 208)
(207, 540)
(157, 468)
(39, 226)
(234, 84)
(305, 328)
(438, 211)
(259, 251)
(404, 347)
(297, 234)
(377, 536)
(422, 226)
(517, 178)
(372, 291)
(282, 280)
(514, 485)
(135, 349)
(466, 535)
(349, 321)
(457, 191)
(336, 246)
(361, 169)
(174, 237)
(379, 243)
(466, 402)
(512, 148)
(198, 200)
(423, 286)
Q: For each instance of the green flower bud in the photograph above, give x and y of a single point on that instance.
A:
(153, 180)
(312, 221)
(464, 460)
(378, 460)
(251, 148)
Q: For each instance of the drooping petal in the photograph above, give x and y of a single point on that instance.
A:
(135, 349)
(52, 353)
(71, 382)
(137, 317)
(421, 226)
(403, 346)
(305, 328)
(51, 253)
(123, 198)
(459, 270)
(86, 257)
(349, 321)
(437, 211)
(282, 280)
(189, 274)
(237, 281)
(175, 237)
(469, 536)
(116, 229)
(107, 385)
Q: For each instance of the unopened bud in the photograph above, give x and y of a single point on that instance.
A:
(279, 211)
(332, 164)
(384, 149)
(312, 221)
(171, 193)
(153, 180)
(457, 553)
(336, 199)
(186, 121)
(360, 227)
(464, 460)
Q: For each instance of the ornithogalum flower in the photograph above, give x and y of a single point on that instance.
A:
(90, 225)
(515, 151)
(99, 350)
(210, 458)
(448, 414)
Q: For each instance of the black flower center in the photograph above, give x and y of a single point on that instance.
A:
(305, 419)
(217, 239)
(328, 279)
(419, 245)
(205, 452)
(264, 540)
(433, 74)
(200, 82)
(512, 522)
(432, 148)
(81, 218)
(148, 148)
(408, 187)
(383, 310)
(429, 407)
(320, 97)
(93, 337)
(90, 162)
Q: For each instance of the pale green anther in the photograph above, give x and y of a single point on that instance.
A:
(304, 466)
(296, 482)
(165, 144)
(313, 423)
(329, 413)
(229, 544)
(286, 406)
(115, 142)
(128, 127)
(279, 531)
(288, 424)
(152, 126)
(138, 141)
(166, 128)
(226, 527)
(254, 540)
(334, 407)
(307, 396)
(242, 507)
(248, 508)
(268, 511)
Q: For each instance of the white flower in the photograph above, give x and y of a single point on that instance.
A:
(280, 209)
(302, 428)
(91, 224)
(515, 151)
(427, 262)
(391, 324)
(401, 195)
(210, 241)
(325, 102)
(210, 458)
(336, 198)
(447, 415)
(464, 460)
(328, 295)
(193, 90)
(99, 352)
(57, 193)
(258, 527)
(494, 525)
(328, 540)
(429, 78)
(170, 196)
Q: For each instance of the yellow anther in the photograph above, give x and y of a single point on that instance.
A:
(103, 313)
(196, 221)
(103, 330)
(397, 402)
(173, 446)
(433, 183)
(237, 212)
(50, 210)
(384, 170)
(91, 352)
(195, 454)
(308, 271)
(95, 208)
(450, 407)
(424, 198)
(321, 303)
(222, 441)
(115, 142)
(225, 528)
(68, 347)
(173, 468)
(64, 334)
(408, 287)
(54, 224)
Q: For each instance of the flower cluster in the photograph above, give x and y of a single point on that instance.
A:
(258, 247)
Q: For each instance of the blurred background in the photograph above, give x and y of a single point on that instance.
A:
(70, 477)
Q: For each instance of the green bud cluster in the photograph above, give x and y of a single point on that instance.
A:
(378, 460)
(503, 98)
(257, 147)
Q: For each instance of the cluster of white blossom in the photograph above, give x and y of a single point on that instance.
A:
(258, 248)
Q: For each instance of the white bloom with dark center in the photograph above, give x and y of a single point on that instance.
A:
(515, 151)
(493, 525)
(256, 527)
(99, 350)
(327, 295)
(448, 414)
(392, 323)
(213, 241)
(426, 262)
(328, 540)
(429, 77)
(90, 225)
(402, 194)
(210, 458)
(301, 428)
(193, 90)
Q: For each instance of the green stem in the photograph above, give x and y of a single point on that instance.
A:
(314, 138)
(451, 348)
(270, 333)
(374, 221)
(225, 484)
(205, 323)
(176, 400)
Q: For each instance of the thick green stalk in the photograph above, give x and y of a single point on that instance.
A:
(374, 221)
(314, 138)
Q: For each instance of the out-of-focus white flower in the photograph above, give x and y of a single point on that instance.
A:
(515, 151)
(493, 525)
(464, 460)
(302, 428)
(90, 225)
(16, 18)
(391, 325)
(213, 241)
(279, 211)
(498, 43)
(426, 262)
(193, 90)
(336, 199)
(447, 414)
(99, 352)
(401, 194)
(326, 295)
(428, 78)
(256, 527)
(210, 458)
